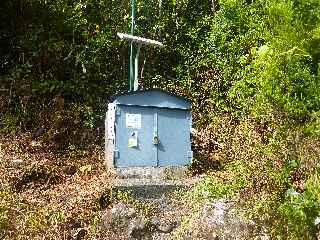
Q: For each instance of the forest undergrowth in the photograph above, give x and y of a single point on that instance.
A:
(250, 68)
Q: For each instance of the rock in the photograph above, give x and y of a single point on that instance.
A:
(80, 234)
(138, 229)
(72, 223)
(221, 218)
(69, 170)
(164, 226)
(17, 162)
(35, 144)
(118, 217)
(37, 133)
(105, 199)
(214, 213)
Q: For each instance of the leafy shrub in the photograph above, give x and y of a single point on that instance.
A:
(8, 123)
(298, 214)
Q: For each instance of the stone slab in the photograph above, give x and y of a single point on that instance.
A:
(151, 182)
(150, 188)
(165, 173)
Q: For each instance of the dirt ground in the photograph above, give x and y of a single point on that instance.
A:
(49, 194)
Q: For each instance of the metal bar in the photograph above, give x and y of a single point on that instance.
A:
(131, 66)
(136, 67)
(133, 12)
(140, 40)
(131, 69)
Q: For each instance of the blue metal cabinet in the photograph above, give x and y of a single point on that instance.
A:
(174, 136)
(152, 128)
(143, 154)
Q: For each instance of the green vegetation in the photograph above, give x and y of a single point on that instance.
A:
(17, 217)
(127, 197)
(250, 67)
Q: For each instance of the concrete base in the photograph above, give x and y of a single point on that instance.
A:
(149, 188)
(160, 173)
(151, 182)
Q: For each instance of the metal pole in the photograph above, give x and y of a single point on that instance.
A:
(136, 71)
(131, 58)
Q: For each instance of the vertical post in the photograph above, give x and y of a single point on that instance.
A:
(131, 57)
(136, 67)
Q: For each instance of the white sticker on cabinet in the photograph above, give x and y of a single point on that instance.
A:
(133, 120)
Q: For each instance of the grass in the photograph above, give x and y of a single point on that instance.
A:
(18, 219)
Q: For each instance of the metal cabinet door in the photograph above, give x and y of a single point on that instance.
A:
(145, 153)
(174, 136)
